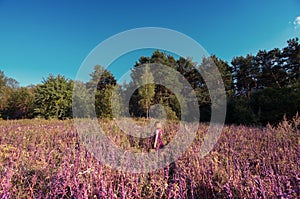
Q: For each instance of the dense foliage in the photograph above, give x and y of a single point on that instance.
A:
(53, 98)
(15, 102)
(260, 89)
(45, 159)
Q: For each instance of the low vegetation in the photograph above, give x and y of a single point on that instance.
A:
(45, 159)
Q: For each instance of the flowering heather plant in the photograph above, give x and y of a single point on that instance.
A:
(45, 159)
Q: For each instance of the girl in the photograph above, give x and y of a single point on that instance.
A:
(158, 143)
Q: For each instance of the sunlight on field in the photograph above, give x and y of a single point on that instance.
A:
(46, 159)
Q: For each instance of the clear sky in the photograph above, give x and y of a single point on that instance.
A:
(42, 37)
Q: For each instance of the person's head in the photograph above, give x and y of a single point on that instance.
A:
(157, 125)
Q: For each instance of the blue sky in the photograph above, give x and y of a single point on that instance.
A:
(42, 37)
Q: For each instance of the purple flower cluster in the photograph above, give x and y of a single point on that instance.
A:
(45, 159)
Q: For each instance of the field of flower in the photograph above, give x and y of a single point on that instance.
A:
(45, 159)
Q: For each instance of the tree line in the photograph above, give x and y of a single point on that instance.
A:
(260, 89)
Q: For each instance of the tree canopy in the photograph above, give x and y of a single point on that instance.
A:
(260, 89)
(53, 98)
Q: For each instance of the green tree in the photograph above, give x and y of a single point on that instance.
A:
(271, 104)
(147, 91)
(2, 79)
(116, 101)
(103, 104)
(100, 77)
(162, 93)
(291, 58)
(53, 98)
(245, 75)
(82, 101)
(272, 74)
(2, 91)
(7, 85)
(100, 85)
(239, 111)
(226, 73)
(20, 103)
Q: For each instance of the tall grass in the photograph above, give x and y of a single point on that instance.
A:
(45, 159)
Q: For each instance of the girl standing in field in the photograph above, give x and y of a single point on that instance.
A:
(158, 143)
